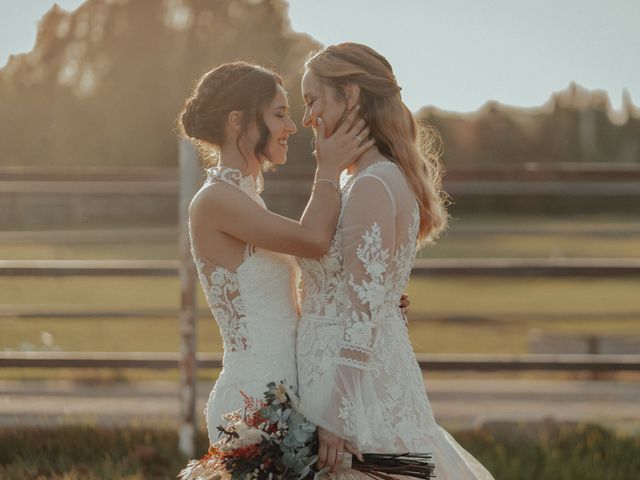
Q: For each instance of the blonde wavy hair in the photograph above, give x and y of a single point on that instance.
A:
(415, 148)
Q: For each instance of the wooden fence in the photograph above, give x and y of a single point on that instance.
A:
(502, 267)
(538, 179)
(427, 362)
(614, 180)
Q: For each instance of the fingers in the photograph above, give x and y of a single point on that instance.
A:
(359, 128)
(331, 458)
(349, 121)
(348, 446)
(322, 455)
(404, 301)
(321, 129)
(364, 147)
(336, 453)
(330, 452)
(363, 135)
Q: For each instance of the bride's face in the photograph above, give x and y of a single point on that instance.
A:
(321, 100)
(280, 126)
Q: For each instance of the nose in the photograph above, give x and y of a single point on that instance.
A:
(307, 119)
(291, 128)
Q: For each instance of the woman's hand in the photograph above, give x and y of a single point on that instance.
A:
(344, 146)
(404, 305)
(331, 450)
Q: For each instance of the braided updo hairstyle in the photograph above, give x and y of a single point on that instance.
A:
(237, 86)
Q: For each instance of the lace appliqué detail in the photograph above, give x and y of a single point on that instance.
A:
(237, 178)
(223, 295)
(404, 256)
(346, 414)
(374, 259)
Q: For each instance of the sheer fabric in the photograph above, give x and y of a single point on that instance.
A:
(255, 306)
(358, 375)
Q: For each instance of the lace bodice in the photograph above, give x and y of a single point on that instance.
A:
(369, 262)
(349, 309)
(238, 298)
(255, 306)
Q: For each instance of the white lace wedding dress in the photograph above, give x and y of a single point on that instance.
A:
(358, 375)
(255, 307)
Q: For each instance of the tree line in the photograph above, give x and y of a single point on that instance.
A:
(104, 84)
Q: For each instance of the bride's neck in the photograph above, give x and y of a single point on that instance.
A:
(370, 157)
(230, 157)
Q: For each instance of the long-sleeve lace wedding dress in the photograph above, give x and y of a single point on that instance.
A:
(357, 372)
(255, 306)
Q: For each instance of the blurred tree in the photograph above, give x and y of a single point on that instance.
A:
(575, 125)
(104, 84)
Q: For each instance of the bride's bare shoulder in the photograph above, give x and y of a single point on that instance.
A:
(213, 196)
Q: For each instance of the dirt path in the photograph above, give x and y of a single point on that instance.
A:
(458, 404)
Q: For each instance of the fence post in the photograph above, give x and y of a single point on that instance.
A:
(190, 176)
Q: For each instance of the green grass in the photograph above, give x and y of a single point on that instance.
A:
(98, 292)
(447, 314)
(453, 244)
(531, 246)
(108, 334)
(475, 295)
(90, 251)
(520, 452)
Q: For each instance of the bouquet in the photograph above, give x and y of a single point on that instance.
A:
(272, 440)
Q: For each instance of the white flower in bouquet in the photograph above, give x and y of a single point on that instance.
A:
(247, 436)
(281, 393)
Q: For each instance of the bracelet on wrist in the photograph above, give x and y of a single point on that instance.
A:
(330, 182)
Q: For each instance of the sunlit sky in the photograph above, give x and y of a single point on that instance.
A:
(454, 54)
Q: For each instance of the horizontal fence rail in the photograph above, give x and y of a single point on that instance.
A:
(278, 187)
(153, 187)
(65, 312)
(531, 171)
(91, 268)
(429, 362)
(533, 179)
(170, 234)
(102, 235)
(548, 267)
(88, 174)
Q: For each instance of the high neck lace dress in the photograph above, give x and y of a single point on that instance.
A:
(255, 307)
(358, 375)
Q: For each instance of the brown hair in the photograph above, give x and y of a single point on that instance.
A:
(414, 148)
(236, 86)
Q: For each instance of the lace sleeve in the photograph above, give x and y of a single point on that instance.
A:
(368, 237)
(350, 409)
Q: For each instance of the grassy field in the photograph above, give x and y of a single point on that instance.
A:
(448, 315)
(451, 246)
(521, 452)
(458, 242)
(497, 312)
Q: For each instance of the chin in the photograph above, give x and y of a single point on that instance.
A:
(278, 159)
